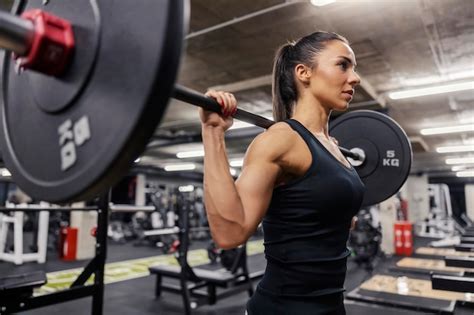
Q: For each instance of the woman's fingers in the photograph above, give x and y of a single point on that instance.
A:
(226, 100)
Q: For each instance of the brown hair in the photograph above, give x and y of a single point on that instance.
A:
(287, 57)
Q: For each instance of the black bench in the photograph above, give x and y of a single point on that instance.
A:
(464, 283)
(199, 286)
(464, 248)
(20, 286)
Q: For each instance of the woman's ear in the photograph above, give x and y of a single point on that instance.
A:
(303, 73)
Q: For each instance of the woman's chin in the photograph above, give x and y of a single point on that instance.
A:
(341, 107)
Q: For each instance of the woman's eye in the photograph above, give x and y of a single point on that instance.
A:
(343, 65)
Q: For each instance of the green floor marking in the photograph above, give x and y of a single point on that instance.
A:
(132, 269)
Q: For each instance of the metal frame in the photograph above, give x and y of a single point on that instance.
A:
(78, 289)
(189, 281)
(18, 257)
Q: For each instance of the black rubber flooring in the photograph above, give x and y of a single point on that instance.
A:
(137, 296)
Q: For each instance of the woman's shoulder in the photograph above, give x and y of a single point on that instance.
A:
(276, 140)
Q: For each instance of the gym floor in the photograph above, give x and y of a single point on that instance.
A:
(136, 296)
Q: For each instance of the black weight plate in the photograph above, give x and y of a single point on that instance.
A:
(86, 142)
(387, 149)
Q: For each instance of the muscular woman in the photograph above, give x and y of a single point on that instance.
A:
(294, 180)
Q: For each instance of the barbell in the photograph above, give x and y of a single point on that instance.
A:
(85, 84)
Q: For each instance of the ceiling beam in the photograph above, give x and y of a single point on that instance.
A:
(264, 80)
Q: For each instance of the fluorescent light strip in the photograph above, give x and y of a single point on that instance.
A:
(180, 167)
(432, 90)
(465, 174)
(5, 173)
(466, 160)
(190, 154)
(456, 148)
(450, 129)
(320, 3)
(458, 168)
(237, 163)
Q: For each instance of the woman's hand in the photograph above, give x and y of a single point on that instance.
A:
(224, 120)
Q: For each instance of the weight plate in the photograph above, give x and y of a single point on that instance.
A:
(70, 138)
(387, 149)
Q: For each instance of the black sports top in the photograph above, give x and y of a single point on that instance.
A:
(307, 224)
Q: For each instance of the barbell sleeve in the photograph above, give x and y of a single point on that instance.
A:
(192, 97)
(16, 33)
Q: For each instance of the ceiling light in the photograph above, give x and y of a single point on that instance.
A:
(320, 3)
(451, 129)
(137, 160)
(180, 167)
(190, 154)
(466, 160)
(456, 148)
(438, 89)
(233, 171)
(465, 174)
(237, 163)
(5, 173)
(458, 168)
(187, 188)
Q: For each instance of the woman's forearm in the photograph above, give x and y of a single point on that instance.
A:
(223, 204)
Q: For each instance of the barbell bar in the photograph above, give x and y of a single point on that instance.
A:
(16, 34)
(99, 102)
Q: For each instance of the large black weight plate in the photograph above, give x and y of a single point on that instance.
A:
(69, 138)
(387, 149)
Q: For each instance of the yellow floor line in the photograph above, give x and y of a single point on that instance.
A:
(132, 269)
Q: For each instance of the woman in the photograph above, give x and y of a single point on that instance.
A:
(294, 178)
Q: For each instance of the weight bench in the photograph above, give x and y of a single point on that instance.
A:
(18, 287)
(194, 280)
(410, 294)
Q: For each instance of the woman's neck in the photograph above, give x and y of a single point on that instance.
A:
(313, 116)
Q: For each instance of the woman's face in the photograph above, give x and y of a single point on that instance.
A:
(334, 78)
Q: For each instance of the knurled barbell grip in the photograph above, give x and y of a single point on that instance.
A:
(16, 33)
(192, 97)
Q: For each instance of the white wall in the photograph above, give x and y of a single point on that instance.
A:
(416, 192)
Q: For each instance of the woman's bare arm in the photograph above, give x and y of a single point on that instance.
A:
(235, 209)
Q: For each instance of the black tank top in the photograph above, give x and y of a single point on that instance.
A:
(307, 224)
